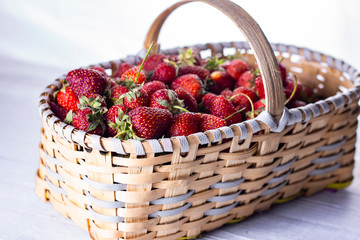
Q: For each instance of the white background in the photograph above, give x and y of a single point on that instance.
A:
(72, 33)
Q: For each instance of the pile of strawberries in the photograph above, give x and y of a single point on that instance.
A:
(168, 95)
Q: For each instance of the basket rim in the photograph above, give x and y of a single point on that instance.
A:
(239, 130)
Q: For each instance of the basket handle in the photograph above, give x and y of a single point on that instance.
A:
(263, 52)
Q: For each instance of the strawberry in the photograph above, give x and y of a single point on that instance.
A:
(167, 99)
(206, 101)
(307, 94)
(191, 83)
(152, 61)
(241, 98)
(112, 83)
(296, 104)
(100, 69)
(150, 123)
(236, 67)
(85, 81)
(67, 99)
(123, 67)
(116, 93)
(259, 87)
(247, 91)
(212, 87)
(223, 108)
(153, 86)
(282, 72)
(259, 106)
(136, 98)
(93, 101)
(189, 101)
(290, 86)
(86, 120)
(131, 74)
(59, 111)
(113, 117)
(209, 122)
(164, 72)
(222, 79)
(227, 93)
(184, 124)
(246, 79)
(198, 70)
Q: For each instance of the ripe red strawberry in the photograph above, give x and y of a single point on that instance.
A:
(166, 99)
(85, 81)
(206, 101)
(135, 99)
(112, 83)
(184, 124)
(189, 101)
(198, 70)
(150, 123)
(247, 91)
(209, 122)
(246, 79)
(67, 99)
(296, 103)
(259, 105)
(164, 72)
(236, 67)
(86, 120)
(289, 88)
(283, 72)
(123, 67)
(58, 110)
(191, 83)
(307, 95)
(287, 93)
(100, 69)
(132, 73)
(223, 108)
(259, 87)
(117, 91)
(152, 87)
(113, 117)
(212, 87)
(152, 61)
(222, 80)
(242, 101)
(227, 93)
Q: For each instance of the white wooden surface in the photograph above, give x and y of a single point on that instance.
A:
(24, 216)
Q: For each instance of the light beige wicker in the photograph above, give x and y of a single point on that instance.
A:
(180, 187)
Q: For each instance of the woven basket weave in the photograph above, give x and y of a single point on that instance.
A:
(180, 187)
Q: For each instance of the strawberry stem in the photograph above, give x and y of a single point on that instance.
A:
(142, 63)
(293, 92)
(120, 133)
(252, 114)
(180, 108)
(234, 113)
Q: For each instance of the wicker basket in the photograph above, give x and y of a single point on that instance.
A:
(180, 187)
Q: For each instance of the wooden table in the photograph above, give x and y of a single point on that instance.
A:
(326, 215)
